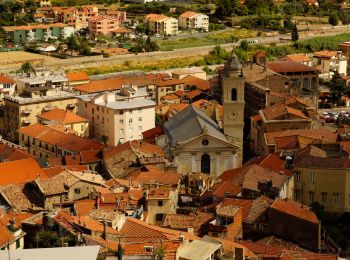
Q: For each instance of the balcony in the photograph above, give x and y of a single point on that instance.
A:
(26, 111)
(26, 121)
(48, 108)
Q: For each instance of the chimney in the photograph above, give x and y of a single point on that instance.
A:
(104, 235)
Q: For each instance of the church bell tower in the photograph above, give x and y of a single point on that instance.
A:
(233, 104)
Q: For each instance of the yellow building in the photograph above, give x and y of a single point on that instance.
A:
(323, 179)
(160, 202)
(19, 111)
(67, 119)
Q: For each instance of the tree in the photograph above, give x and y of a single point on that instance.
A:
(295, 34)
(72, 44)
(244, 45)
(333, 19)
(141, 28)
(337, 87)
(226, 8)
(288, 24)
(26, 67)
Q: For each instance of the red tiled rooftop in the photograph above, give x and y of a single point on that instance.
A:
(20, 171)
(77, 76)
(295, 209)
(289, 66)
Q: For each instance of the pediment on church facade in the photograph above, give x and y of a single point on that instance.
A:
(206, 141)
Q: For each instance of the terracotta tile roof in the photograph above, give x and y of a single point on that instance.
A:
(121, 30)
(138, 147)
(12, 152)
(325, 54)
(245, 204)
(290, 100)
(52, 171)
(93, 225)
(5, 79)
(317, 134)
(249, 177)
(291, 254)
(287, 142)
(90, 156)
(170, 97)
(222, 189)
(175, 108)
(138, 249)
(155, 17)
(296, 58)
(289, 66)
(155, 176)
(295, 209)
(313, 157)
(103, 214)
(195, 221)
(158, 194)
(199, 83)
(20, 171)
(137, 231)
(282, 111)
(77, 76)
(274, 163)
(188, 14)
(151, 133)
(100, 85)
(61, 116)
(227, 210)
(63, 140)
(194, 93)
(258, 208)
(83, 207)
(163, 80)
(14, 195)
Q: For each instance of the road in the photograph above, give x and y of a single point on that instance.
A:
(99, 61)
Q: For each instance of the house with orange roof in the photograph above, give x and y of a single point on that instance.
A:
(135, 154)
(161, 24)
(326, 61)
(39, 32)
(11, 233)
(103, 24)
(77, 78)
(7, 86)
(66, 186)
(278, 117)
(66, 118)
(194, 82)
(300, 58)
(192, 20)
(295, 222)
(44, 142)
(159, 203)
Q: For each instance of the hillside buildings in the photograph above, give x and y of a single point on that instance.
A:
(161, 24)
(192, 20)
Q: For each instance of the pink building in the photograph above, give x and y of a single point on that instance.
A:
(103, 24)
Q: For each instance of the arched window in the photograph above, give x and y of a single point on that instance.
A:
(205, 163)
(233, 94)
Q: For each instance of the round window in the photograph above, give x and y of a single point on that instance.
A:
(205, 142)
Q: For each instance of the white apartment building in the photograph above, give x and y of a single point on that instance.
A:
(161, 24)
(192, 20)
(7, 86)
(119, 115)
(327, 61)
